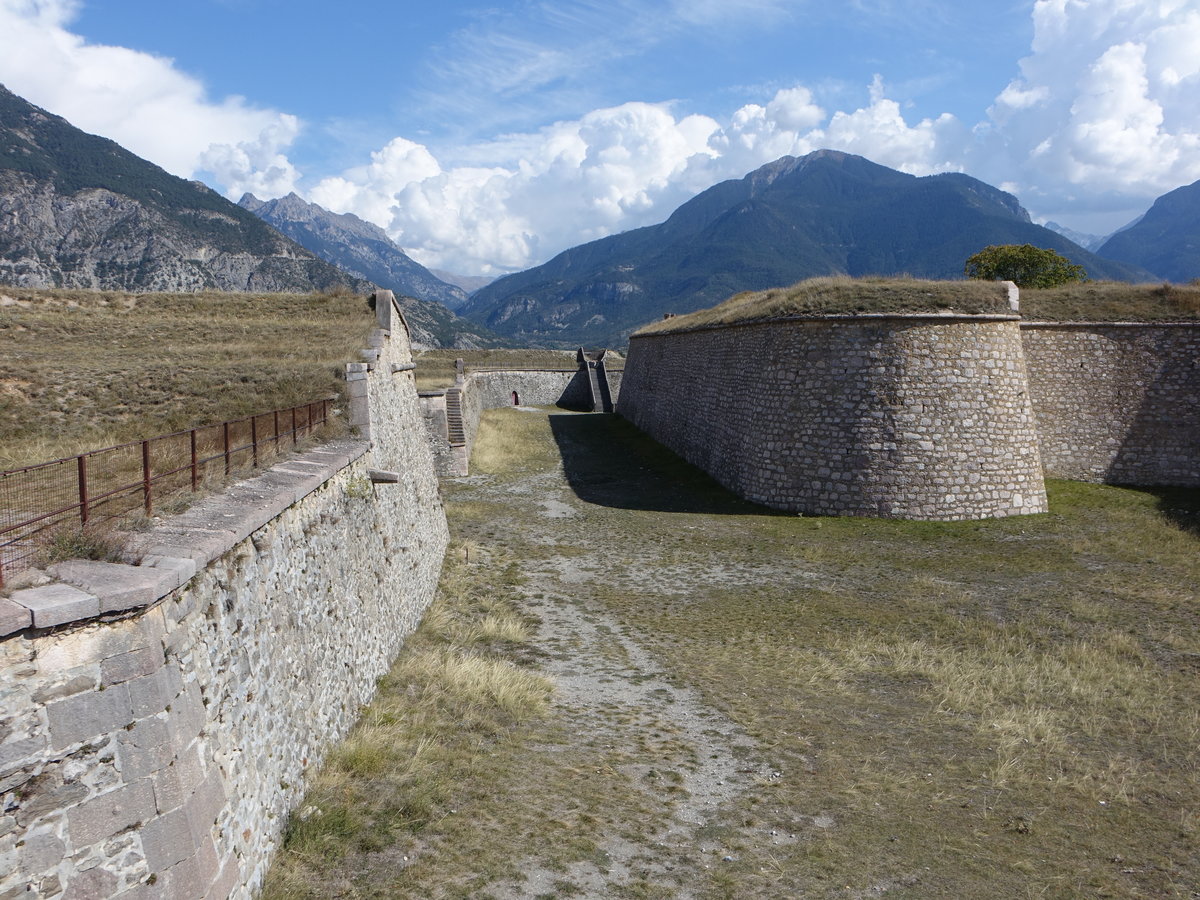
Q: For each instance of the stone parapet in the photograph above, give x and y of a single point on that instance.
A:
(159, 719)
(1117, 402)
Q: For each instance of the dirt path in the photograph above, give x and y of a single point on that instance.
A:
(692, 764)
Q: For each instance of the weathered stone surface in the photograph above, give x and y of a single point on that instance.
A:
(133, 664)
(57, 604)
(181, 569)
(13, 617)
(920, 417)
(167, 839)
(87, 716)
(117, 586)
(94, 884)
(103, 816)
(144, 749)
(152, 694)
(41, 852)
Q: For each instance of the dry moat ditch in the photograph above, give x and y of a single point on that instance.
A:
(636, 685)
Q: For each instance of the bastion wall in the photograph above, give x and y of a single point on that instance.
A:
(1117, 403)
(159, 718)
(922, 417)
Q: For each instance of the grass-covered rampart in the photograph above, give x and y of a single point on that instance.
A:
(840, 295)
(86, 369)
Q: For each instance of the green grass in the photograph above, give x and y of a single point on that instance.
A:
(81, 369)
(1004, 708)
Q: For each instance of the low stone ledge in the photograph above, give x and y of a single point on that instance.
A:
(13, 617)
(57, 604)
(118, 587)
(168, 556)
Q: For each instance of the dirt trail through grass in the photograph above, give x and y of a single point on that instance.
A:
(754, 705)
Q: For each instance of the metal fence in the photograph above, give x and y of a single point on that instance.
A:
(125, 481)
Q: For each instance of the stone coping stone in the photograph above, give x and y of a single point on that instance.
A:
(117, 586)
(57, 604)
(171, 553)
(14, 617)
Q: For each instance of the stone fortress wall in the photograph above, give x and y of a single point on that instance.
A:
(1117, 403)
(158, 719)
(925, 417)
(494, 389)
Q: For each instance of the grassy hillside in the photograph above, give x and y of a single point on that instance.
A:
(84, 369)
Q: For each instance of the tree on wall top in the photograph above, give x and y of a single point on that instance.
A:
(1026, 265)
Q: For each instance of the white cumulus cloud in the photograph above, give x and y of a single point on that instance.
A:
(1106, 110)
(141, 101)
(610, 170)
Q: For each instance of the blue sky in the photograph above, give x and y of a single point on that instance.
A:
(486, 137)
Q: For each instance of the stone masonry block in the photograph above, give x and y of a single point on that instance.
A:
(20, 753)
(87, 716)
(57, 604)
(145, 661)
(118, 586)
(152, 693)
(185, 720)
(105, 815)
(206, 804)
(167, 839)
(13, 617)
(230, 878)
(94, 884)
(41, 852)
(181, 568)
(176, 783)
(144, 749)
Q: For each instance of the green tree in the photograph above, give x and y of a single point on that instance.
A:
(1026, 265)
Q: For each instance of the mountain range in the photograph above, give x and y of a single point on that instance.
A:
(80, 211)
(365, 251)
(1166, 240)
(77, 210)
(824, 213)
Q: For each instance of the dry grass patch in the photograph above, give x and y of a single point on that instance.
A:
(1112, 301)
(435, 368)
(843, 295)
(81, 370)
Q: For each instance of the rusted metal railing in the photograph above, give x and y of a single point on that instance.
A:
(125, 481)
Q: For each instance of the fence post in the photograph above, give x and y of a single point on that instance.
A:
(225, 430)
(295, 437)
(195, 469)
(254, 439)
(146, 477)
(83, 490)
(276, 415)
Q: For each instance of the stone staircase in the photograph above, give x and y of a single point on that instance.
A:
(456, 432)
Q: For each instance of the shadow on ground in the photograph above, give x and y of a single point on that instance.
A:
(1180, 505)
(610, 463)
